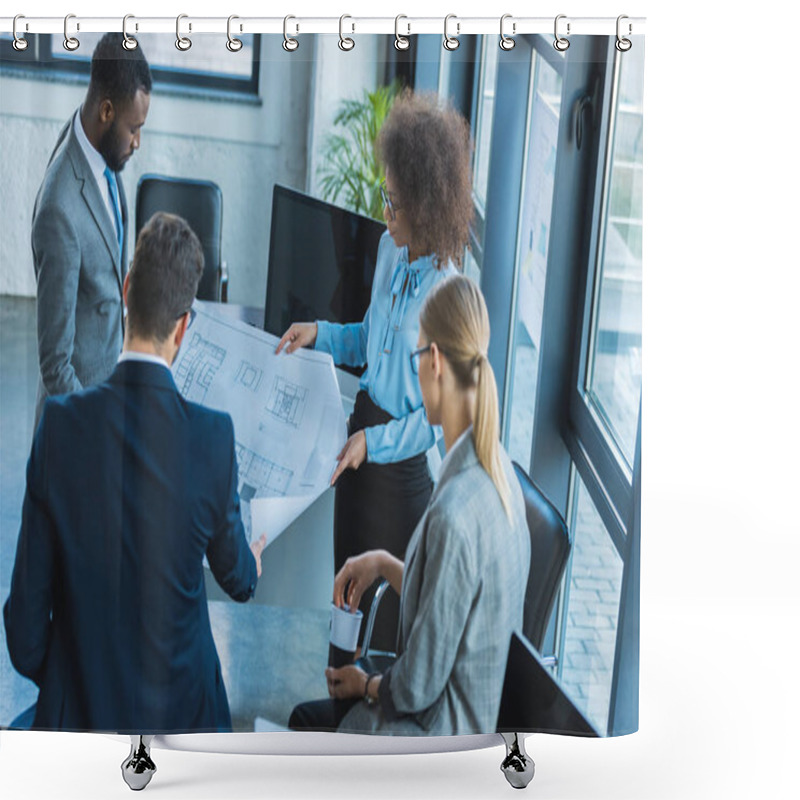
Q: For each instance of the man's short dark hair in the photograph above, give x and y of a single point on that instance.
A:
(164, 276)
(117, 73)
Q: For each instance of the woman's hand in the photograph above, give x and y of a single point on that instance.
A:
(353, 453)
(345, 682)
(300, 334)
(360, 572)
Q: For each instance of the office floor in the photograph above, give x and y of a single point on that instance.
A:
(271, 657)
(18, 377)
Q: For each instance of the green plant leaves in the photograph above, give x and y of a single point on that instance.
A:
(350, 174)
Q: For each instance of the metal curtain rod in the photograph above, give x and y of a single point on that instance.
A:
(573, 26)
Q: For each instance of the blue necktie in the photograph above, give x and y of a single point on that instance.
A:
(111, 178)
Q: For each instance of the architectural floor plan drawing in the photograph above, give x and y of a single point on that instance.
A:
(198, 367)
(260, 477)
(287, 414)
(287, 401)
(249, 376)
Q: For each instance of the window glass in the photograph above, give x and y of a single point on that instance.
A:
(207, 56)
(614, 377)
(471, 267)
(595, 582)
(483, 121)
(532, 247)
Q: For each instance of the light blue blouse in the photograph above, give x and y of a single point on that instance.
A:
(384, 342)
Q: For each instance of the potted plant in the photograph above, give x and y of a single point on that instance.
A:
(350, 173)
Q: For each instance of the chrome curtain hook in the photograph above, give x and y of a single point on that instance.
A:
(289, 44)
(451, 42)
(20, 43)
(401, 42)
(561, 43)
(623, 44)
(128, 42)
(70, 42)
(183, 43)
(506, 42)
(233, 44)
(346, 43)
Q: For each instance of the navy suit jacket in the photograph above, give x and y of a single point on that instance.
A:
(128, 487)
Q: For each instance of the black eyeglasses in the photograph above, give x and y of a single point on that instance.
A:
(190, 311)
(387, 201)
(415, 356)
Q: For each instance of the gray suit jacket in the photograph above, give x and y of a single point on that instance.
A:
(79, 274)
(466, 570)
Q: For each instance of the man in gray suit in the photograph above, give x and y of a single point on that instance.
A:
(80, 222)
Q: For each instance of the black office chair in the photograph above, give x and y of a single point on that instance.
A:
(200, 204)
(550, 547)
(532, 699)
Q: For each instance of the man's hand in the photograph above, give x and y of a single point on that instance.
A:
(257, 548)
(352, 455)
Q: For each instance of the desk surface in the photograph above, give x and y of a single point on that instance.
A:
(272, 658)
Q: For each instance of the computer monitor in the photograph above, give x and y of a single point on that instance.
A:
(533, 701)
(321, 262)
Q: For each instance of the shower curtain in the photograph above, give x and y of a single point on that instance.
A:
(272, 153)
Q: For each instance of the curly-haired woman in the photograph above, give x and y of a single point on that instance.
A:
(383, 479)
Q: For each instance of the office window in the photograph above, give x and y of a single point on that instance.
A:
(614, 371)
(544, 288)
(470, 267)
(532, 248)
(467, 79)
(603, 424)
(207, 65)
(483, 121)
(594, 580)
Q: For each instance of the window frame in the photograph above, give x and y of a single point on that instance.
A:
(603, 467)
(39, 57)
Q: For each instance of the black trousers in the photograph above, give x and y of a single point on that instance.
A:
(377, 507)
(320, 715)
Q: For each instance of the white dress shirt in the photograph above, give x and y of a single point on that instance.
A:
(98, 165)
(132, 355)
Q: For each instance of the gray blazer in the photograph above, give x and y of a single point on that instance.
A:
(79, 274)
(466, 570)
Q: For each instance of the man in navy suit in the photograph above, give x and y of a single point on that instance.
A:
(129, 486)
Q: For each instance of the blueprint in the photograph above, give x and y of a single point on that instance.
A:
(287, 414)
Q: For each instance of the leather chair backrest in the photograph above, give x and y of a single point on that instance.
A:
(550, 548)
(200, 204)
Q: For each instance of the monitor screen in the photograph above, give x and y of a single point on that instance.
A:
(533, 700)
(321, 262)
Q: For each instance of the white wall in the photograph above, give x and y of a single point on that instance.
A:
(338, 75)
(245, 147)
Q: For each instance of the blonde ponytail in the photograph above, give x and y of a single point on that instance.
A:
(455, 317)
(486, 429)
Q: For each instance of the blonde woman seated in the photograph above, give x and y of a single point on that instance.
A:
(463, 581)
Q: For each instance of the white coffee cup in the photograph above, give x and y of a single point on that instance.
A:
(345, 627)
